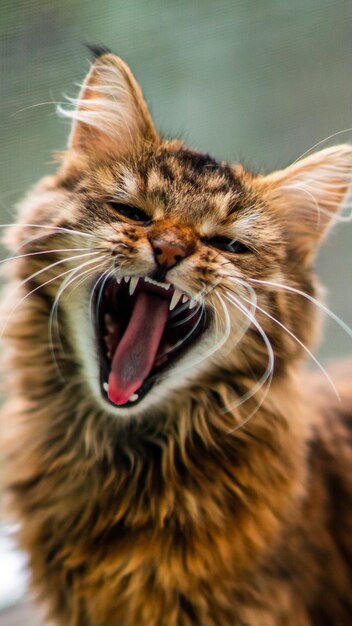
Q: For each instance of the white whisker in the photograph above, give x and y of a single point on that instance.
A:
(49, 267)
(50, 227)
(102, 282)
(41, 285)
(33, 106)
(180, 309)
(193, 329)
(53, 318)
(42, 252)
(271, 359)
(310, 354)
(319, 143)
(320, 305)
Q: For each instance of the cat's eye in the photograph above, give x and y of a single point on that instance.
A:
(131, 212)
(227, 245)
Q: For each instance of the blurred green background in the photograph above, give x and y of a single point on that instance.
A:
(255, 80)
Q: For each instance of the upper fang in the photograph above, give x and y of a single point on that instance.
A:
(175, 298)
(133, 284)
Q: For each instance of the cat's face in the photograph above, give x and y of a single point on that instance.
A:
(179, 234)
(185, 268)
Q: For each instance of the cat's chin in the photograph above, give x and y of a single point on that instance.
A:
(143, 329)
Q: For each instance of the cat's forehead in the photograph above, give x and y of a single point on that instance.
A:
(187, 167)
(179, 181)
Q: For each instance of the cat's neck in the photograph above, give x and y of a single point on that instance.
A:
(197, 469)
(207, 430)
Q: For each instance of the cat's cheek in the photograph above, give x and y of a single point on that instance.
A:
(81, 337)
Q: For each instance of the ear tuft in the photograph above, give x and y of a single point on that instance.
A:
(308, 195)
(96, 50)
(110, 115)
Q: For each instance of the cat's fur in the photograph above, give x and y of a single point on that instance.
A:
(205, 505)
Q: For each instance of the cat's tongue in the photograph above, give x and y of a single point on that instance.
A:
(136, 351)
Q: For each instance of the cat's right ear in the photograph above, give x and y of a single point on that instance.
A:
(307, 196)
(110, 115)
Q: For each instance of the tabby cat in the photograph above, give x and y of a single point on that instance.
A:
(171, 462)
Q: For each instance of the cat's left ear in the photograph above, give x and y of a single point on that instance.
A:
(110, 115)
(308, 195)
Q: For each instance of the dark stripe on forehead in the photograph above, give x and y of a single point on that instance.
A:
(166, 171)
(199, 163)
(204, 164)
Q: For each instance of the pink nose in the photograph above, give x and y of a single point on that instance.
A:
(168, 254)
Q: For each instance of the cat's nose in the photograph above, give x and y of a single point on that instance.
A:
(167, 253)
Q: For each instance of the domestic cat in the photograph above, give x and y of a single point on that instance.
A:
(170, 460)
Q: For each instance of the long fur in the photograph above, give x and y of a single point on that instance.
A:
(224, 499)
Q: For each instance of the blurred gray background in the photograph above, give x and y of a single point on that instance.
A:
(257, 80)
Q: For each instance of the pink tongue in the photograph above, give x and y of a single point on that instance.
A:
(135, 354)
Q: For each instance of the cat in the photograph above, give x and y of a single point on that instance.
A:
(171, 460)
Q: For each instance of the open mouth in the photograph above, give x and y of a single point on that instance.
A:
(142, 327)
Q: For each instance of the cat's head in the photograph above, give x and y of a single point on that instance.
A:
(168, 267)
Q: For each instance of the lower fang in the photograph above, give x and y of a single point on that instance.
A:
(133, 397)
(109, 323)
(105, 387)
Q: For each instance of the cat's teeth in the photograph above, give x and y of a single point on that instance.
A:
(105, 386)
(133, 285)
(192, 303)
(165, 286)
(175, 298)
(185, 298)
(126, 278)
(118, 279)
(109, 323)
(133, 397)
